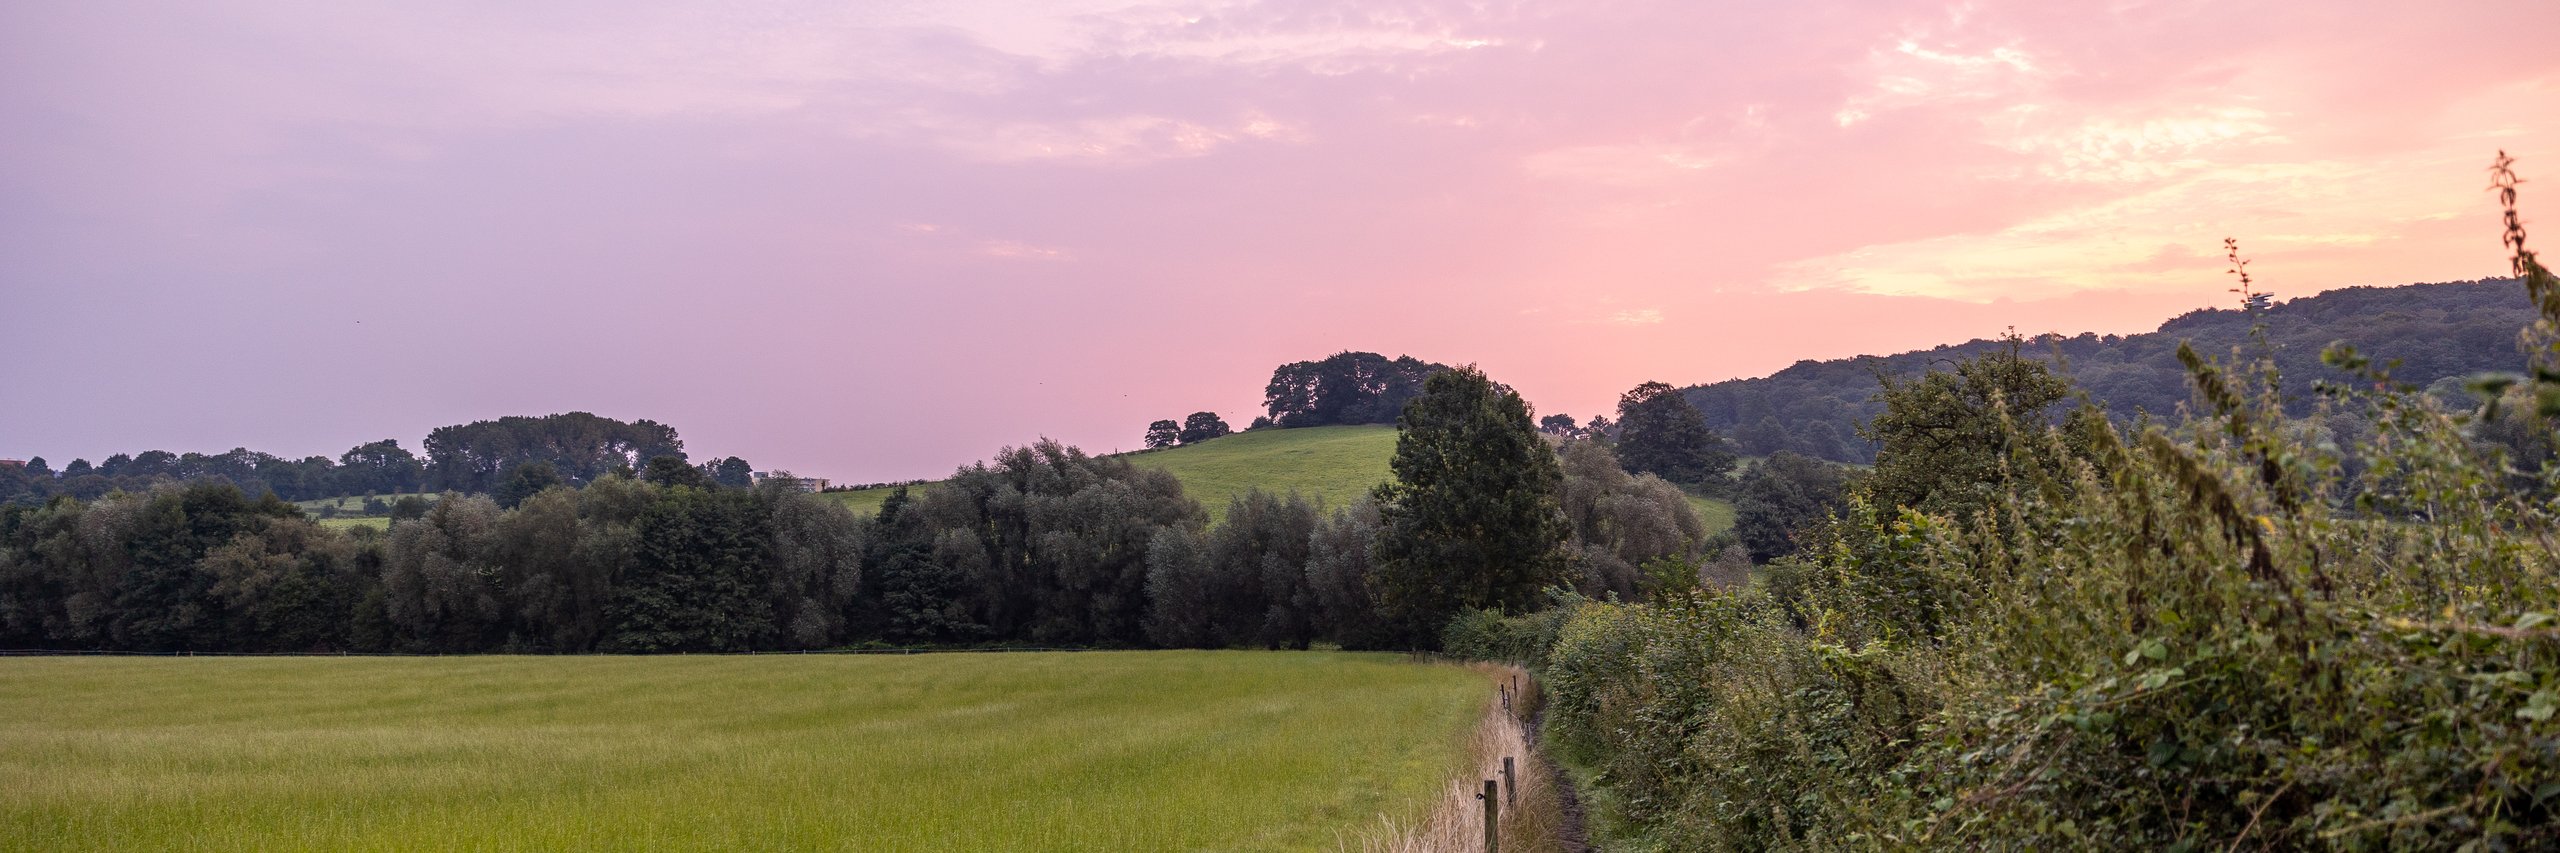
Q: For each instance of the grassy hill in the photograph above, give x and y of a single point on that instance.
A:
(1333, 464)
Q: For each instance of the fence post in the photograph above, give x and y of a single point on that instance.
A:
(1510, 786)
(1492, 818)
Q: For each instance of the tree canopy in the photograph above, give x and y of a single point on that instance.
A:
(1471, 519)
(1344, 388)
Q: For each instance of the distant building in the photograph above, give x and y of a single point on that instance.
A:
(804, 484)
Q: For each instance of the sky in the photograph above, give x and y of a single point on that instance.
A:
(876, 240)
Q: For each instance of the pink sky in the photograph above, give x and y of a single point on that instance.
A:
(875, 240)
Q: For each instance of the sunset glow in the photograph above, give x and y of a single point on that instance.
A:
(873, 241)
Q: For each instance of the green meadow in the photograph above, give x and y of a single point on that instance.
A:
(1032, 751)
(1335, 464)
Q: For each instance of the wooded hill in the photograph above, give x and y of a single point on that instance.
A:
(2438, 331)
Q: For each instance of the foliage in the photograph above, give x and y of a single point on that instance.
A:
(1163, 434)
(1618, 523)
(1344, 388)
(1659, 432)
(2209, 637)
(1202, 426)
(1471, 519)
(1779, 501)
(2436, 331)
(1064, 538)
(1949, 438)
(580, 447)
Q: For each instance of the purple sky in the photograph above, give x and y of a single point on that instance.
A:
(875, 240)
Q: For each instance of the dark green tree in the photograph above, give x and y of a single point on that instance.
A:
(1202, 426)
(1781, 499)
(1943, 445)
(1471, 519)
(731, 472)
(524, 481)
(699, 575)
(1659, 433)
(1163, 434)
(672, 471)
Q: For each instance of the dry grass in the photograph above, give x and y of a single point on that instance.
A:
(1456, 821)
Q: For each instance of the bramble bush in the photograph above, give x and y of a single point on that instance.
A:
(2244, 630)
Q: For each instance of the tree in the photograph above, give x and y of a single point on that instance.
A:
(731, 472)
(671, 471)
(1621, 522)
(1782, 498)
(1559, 425)
(581, 446)
(381, 466)
(437, 575)
(1202, 426)
(1660, 433)
(1163, 434)
(1344, 388)
(1057, 540)
(1341, 578)
(1471, 518)
(698, 578)
(524, 481)
(1943, 445)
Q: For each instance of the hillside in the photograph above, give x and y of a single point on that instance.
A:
(1332, 464)
(2435, 330)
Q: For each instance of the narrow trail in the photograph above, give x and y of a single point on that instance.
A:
(1574, 836)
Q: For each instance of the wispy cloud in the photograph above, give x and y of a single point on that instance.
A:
(1017, 250)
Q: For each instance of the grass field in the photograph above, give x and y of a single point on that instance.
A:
(1037, 751)
(1716, 513)
(353, 503)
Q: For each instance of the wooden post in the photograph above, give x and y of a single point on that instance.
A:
(1510, 786)
(1492, 818)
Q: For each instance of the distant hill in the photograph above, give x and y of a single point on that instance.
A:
(2435, 330)
(1335, 464)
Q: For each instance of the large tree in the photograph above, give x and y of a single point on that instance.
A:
(1943, 447)
(1782, 498)
(1163, 434)
(1659, 433)
(1471, 519)
(1202, 426)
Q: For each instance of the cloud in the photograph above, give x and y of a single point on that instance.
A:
(1637, 317)
(1017, 250)
(1908, 75)
(2125, 146)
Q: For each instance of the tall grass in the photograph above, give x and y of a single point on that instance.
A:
(1531, 823)
(1090, 751)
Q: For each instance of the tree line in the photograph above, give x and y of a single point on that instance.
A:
(482, 457)
(1041, 544)
(2440, 333)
